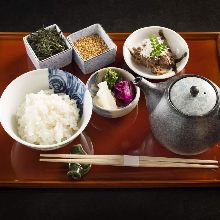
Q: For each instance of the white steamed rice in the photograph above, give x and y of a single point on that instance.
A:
(47, 118)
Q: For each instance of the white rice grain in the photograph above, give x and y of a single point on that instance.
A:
(47, 118)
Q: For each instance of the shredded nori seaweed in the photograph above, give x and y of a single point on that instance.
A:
(46, 42)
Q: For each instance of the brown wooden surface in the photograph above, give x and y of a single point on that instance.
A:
(19, 166)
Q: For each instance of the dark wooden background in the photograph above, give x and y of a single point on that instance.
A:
(115, 16)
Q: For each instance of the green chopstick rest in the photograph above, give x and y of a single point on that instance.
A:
(77, 170)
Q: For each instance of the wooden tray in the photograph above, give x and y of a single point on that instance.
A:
(19, 166)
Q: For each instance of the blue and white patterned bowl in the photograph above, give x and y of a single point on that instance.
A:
(93, 89)
(33, 82)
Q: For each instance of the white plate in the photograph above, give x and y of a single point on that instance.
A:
(177, 44)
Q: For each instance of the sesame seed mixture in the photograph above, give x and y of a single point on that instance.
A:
(90, 46)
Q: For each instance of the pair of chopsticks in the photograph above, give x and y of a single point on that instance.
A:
(129, 160)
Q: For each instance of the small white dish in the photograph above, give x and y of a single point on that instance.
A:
(121, 111)
(33, 82)
(99, 61)
(56, 61)
(177, 44)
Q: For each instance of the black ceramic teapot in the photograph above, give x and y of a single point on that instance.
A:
(184, 112)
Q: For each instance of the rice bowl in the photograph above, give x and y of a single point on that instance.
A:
(33, 82)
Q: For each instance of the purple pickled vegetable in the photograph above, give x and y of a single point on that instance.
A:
(124, 91)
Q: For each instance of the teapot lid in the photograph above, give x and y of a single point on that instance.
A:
(193, 95)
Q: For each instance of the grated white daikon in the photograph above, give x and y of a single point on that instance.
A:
(104, 97)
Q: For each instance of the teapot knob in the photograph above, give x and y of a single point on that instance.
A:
(194, 91)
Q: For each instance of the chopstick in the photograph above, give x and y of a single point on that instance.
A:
(141, 158)
(128, 160)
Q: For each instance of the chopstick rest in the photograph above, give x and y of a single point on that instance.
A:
(77, 170)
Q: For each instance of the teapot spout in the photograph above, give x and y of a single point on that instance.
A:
(153, 91)
(144, 84)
